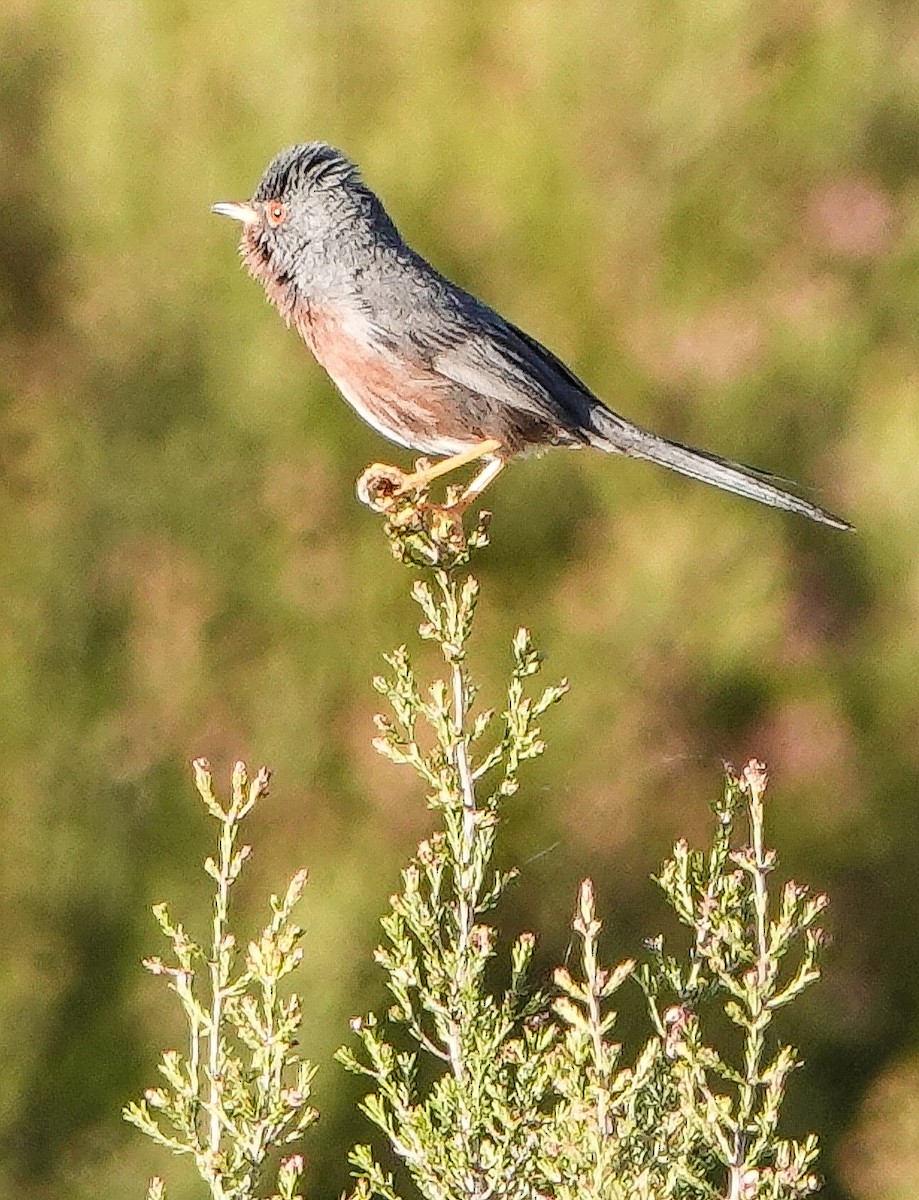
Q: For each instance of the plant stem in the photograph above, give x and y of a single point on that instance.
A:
(217, 972)
(762, 868)
(754, 778)
(475, 1183)
(467, 890)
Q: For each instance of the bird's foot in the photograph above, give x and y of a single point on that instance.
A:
(383, 488)
(380, 486)
(420, 531)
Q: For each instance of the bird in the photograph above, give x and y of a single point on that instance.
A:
(422, 361)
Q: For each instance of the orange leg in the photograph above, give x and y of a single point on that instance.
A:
(478, 484)
(484, 449)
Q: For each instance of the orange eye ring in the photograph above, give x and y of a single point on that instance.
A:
(275, 213)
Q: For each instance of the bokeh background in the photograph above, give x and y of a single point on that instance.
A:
(711, 208)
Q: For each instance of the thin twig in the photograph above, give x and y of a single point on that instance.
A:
(221, 910)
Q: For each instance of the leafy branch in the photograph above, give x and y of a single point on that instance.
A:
(485, 1089)
(241, 1089)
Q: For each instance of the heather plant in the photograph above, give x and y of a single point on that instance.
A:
(484, 1078)
(240, 1090)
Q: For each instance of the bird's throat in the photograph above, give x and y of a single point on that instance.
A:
(279, 287)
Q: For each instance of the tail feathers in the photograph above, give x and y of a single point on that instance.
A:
(627, 439)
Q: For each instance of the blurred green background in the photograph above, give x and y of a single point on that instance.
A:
(711, 209)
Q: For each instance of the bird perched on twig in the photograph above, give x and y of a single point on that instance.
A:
(421, 360)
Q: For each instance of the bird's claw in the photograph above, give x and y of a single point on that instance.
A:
(386, 489)
(420, 531)
(380, 486)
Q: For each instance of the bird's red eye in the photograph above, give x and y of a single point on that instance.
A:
(276, 213)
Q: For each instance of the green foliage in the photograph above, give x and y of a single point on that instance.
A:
(240, 1090)
(483, 1089)
(530, 1097)
(481, 1120)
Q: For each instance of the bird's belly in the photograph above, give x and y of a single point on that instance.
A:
(390, 419)
(402, 401)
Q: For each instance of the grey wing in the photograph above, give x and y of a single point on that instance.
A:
(491, 358)
(541, 400)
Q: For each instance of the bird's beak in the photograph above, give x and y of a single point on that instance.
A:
(239, 212)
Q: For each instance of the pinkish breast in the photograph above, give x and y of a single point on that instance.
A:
(403, 400)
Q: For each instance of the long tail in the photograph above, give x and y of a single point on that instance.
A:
(622, 437)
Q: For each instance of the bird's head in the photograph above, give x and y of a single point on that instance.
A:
(310, 195)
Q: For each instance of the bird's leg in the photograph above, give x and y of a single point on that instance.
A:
(480, 450)
(447, 519)
(477, 485)
(379, 486)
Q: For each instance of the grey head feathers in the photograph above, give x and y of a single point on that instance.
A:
(306, 166)
(315, 223)
(329, 208)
